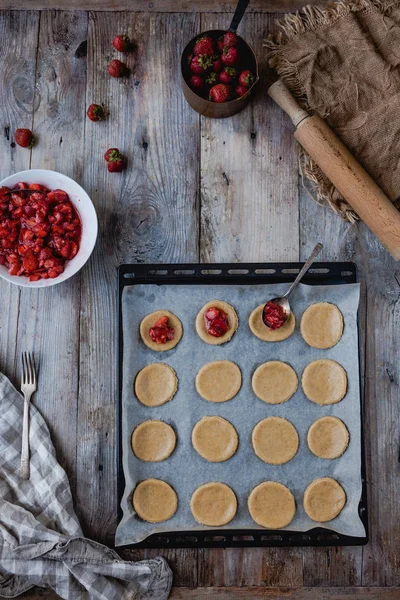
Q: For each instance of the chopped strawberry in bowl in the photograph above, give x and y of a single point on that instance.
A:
(48, 228)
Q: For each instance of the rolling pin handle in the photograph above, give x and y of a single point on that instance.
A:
(281, 95)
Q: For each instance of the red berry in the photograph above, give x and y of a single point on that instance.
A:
(111, 152)
(212, 79)
(220, 44)
(228, 75)
(230, 56)
(116, 68)
(200, 64)
(217, 65)
(122, 43)
(95, 112)
(230, 39)
(246, 78)
(240, 90)
(220, 93)
(204, 46)
(24, 138)
(196, 82)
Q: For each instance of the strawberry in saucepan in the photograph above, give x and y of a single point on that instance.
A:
(230, 56)
(200, 64)
(228, 75)
(220, 93)
(204, 46)
(217, 64)
(230, 39)
(246, 78)
(24, 138)
(196, 82)
(240, 90)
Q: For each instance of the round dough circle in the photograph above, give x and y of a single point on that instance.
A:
(274, 382)
(154, 500)
(275, 440)
(156, 384)
(213, 504)
(324, 499)
(153, 441)
(215, 439)
(272, 505)
(151, 320)
(322, 325)
(328, 437)
(201, 326)
(219, 381)
(324, 381)
(264, 333)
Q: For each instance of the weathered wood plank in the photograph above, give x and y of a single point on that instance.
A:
(174, 6)
(297, 593)
(149, 213)
(17, 84)
(49, 318)
(249, 204)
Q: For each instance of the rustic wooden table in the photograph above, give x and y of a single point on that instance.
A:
(195, 190)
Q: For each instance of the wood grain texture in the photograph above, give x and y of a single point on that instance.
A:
(249, 173)
(148, 213)
(17, 84)
(296, 593)
(148, 6)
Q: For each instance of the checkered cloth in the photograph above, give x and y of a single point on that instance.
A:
(41, 542)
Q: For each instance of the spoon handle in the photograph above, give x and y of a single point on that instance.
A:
(304, 269)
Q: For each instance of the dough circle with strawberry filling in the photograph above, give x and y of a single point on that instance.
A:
(233, 323)
(150, 321)
(154, 500)
(156, 384)
(219, 381)
(264, 333)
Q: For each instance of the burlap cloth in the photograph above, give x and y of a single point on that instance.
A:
(342, 61)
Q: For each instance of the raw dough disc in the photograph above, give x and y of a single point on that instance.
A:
(201, 326)
(324, 499)
(215, 439)
(213, 504)
(328, 437)
(275, 440)
(154, 500)
(156, 384)
(153, 441)
(274, 382)
(324, 381)
(322, 325)
(271, 504)
(218, 381)
(151, 320)
(266, 334)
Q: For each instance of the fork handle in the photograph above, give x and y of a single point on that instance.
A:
(25, 467)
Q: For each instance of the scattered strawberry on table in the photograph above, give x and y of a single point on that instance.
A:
(218, 68)
(122, 43)
(96, 112)
(24, 138)
(116, 68)
(116, 162)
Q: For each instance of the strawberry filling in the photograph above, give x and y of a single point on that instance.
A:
(161, 333)
(274, 316)
(39, 231)
(216, 321)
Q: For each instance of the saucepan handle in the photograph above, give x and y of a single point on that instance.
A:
(239, 12)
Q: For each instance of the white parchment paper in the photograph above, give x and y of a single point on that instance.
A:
(185, 470)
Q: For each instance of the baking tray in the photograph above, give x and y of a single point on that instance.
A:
(323, 273)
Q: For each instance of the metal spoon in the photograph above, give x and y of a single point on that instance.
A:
(284, 300)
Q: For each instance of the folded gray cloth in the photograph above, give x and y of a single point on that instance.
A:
(41, 542)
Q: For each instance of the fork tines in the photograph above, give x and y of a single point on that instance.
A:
(28, 369)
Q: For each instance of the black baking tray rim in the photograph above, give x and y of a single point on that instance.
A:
(322, 273)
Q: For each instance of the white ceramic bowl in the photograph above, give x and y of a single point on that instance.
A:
(86, 211)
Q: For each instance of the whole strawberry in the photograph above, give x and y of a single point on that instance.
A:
(246, 78)
(240, 90)
(196, 82)
(116, 161)
(220, 93)
(217, 65)
(24, 138)
(96, 112)
(205, 46)
(116, 68)
(200, 64)
(230, 39)
(228, 75)
(220, 44)
(230, 56)
(122, 43)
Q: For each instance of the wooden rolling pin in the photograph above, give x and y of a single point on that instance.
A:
(342, 169)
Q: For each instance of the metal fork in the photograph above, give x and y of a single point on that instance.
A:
(28, 387)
